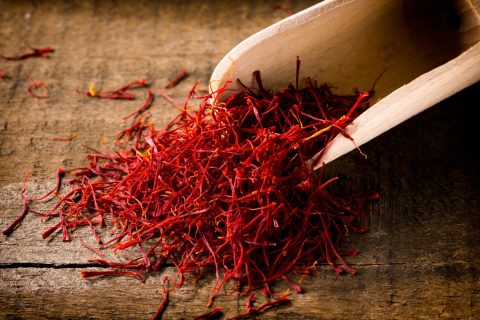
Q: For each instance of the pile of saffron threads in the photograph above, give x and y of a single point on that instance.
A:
(225, 188)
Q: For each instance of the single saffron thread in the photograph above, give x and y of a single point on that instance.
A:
(143, 107)
(58, 182)
(215, 312)
(70, 137)
(181, 74)
(37, 89)
(121, 93)
(163, 305)
(33, 53)
(8, 231)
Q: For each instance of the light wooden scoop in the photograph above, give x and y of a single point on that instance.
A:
(427, 51)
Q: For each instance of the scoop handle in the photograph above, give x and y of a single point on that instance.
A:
(407, 101)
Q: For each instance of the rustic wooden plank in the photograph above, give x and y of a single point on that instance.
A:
(419, 259)
(380, 291)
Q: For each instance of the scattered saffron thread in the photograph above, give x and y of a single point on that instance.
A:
(89, 274)
(98, 253)
(8, 231)
(70, 137)
(216, 312)
(4, 75)
(134, 132)
(37, 89)
(35, 52)
(178, 77)
(171, 100)
(143, 107)
(163, 305)
(117, 94)
(60, 174)
(253, 312)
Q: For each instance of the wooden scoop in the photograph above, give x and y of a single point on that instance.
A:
(427, 51)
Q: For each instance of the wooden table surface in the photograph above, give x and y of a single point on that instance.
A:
(420, 258)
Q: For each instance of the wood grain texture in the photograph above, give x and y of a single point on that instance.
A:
(419, 259)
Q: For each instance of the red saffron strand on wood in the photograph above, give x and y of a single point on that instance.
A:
(214, 313)
(98, 253)
(35, 86)
(70, 137)
(249, 304)
(118, 94)
(133, 84)
(110, 95)
(90, 274)
(128, 265)
(253, 312)
(163, 305)
(35, 52)
(292, 284)
(4, 75)
(178, 77)
(168, 98)
(60, 174)
(143, 107)
(134, 132)
(8, 231)
(268, 305)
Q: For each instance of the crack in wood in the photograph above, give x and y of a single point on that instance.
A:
(14, 265)
(43, 265)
